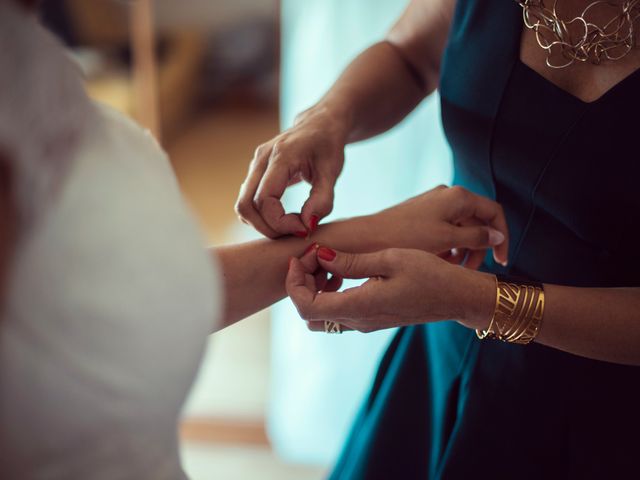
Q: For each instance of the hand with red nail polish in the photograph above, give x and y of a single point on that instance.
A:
(326, 254)
(404, 287)
(313, 223)
(311, 267)
(311, 151)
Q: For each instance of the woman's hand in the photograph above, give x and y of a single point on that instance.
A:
(443, 220)
(313, 151)
(405, 287)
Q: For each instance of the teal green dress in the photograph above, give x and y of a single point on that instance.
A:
(445, 405)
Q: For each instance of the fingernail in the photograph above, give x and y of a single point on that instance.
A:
(504, 264)
(301, 234)
(326, 254)
(313, 223)
(495, 237)
(311, 247)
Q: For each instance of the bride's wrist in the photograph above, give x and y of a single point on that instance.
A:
(354, 234)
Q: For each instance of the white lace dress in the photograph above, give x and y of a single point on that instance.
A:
(111, 294)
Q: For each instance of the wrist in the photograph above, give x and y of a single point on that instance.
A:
(332, 118)
(478, 295)
(350, 235)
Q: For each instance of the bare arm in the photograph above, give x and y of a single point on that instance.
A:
(254, 273)
(377, 90)
(414, 287)
(598, 323)
(389, 79)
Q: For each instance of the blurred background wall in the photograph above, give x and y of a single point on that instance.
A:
(319, 381)
(272, 401)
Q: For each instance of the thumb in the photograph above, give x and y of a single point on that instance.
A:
(354, 265)
(319, 204)
(477, 237)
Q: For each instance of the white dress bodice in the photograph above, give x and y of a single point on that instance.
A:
(111, 296)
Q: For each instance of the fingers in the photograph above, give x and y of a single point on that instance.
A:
(490, 213)
(348, 305)
(333, 284)
(474, 259)
(297, 285)
(351, 304)
(478, 237)
(319, 204)
(309, 259)
(245, 207)
(274, 182)
(310, 265)
(455, 256)
(354, 265)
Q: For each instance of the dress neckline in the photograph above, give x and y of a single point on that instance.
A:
(610, 91)
(517, 42)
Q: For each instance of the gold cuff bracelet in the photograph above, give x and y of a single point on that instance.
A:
(518, 313)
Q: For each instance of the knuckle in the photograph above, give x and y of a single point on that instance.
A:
(261, 155)
(260, 151)
(304, 313)
(280, 146)
(350, 263)
(241, 208)
(390, 257)
(258, 201)
(450, 235)
(459, 192)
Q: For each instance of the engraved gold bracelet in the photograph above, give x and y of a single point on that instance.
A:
(518, 312)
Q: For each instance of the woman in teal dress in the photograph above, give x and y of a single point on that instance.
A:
(557, 148)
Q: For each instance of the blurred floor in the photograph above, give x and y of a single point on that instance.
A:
(207, 462)
(210, 159)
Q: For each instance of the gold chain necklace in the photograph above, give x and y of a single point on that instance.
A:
(579, 39)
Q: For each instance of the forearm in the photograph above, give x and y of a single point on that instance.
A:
(375, 92)
(598, 323)
(254, 272)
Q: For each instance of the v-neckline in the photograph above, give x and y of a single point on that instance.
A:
(518, 58)
(610, 91)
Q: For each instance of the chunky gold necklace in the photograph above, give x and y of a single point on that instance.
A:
(579, 39)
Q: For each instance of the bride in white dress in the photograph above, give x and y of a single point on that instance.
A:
(107, 293)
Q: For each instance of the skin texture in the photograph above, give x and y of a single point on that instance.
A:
(437, 221)
(254, 272)
(358, 106)
(404, 287)
(399, 73)
(582, 80)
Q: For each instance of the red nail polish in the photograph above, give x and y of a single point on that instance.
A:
(301, 234)
(313, 223)
(326, 254)
(313, 246)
